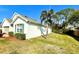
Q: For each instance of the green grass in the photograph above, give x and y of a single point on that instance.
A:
(53, 44)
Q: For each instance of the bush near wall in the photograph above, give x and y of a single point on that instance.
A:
(20, 36)
(11, 33)
(1, 34)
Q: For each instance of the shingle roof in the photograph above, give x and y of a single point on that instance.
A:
(32, 21)
(9, 20)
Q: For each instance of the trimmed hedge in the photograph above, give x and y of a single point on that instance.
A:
(11, 33)
(20, 36)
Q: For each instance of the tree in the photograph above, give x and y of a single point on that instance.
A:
(50, 15)
(43, 16)
(46, 18)
(66, 13)
(74, 19)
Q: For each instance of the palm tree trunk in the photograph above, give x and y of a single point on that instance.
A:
(46, 30)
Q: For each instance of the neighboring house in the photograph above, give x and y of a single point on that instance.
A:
(6, 26)
(22, 24)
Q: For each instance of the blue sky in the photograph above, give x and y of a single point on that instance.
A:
(33, 11)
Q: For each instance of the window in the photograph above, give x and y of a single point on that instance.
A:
(6, 29)
(19, 28)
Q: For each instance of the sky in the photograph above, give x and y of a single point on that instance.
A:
(32, 11)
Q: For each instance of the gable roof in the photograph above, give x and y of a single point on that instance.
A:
(24, 18)
(9, 20)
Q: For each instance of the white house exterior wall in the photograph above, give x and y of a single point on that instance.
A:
(19, 21)
(6, 23)
(35, 31)
(30, 30)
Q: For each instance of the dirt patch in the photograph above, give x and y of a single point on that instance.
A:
(11, 38)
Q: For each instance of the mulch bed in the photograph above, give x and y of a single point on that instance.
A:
(11, 38)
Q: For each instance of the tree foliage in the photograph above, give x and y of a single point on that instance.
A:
(46, 17)
(64, 15)
(74, 19)
(58, 20)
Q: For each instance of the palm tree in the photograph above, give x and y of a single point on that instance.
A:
(50, 16)
(46, 19)
(43, 16)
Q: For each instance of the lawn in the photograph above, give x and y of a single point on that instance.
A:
(53, 44)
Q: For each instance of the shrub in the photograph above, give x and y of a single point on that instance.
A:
(69, 32)
(20, 36)
(1, 35)
(11, 33)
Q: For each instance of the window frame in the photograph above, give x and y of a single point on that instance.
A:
(19, 28)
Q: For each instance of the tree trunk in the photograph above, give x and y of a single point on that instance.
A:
(46, 30)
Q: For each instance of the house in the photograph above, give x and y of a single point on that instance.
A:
(23, 24)
(6, 26)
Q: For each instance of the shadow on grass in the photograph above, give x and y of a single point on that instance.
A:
(70, 33)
